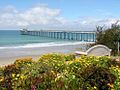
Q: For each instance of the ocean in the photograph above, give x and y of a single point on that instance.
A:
(13, 45)
(13, 39)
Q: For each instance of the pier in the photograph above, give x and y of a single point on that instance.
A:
(88, 36)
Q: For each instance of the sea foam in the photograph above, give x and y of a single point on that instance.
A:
(36, 45)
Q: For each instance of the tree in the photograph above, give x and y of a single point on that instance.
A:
(109, 37)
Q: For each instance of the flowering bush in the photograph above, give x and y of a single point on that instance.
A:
(61, 72)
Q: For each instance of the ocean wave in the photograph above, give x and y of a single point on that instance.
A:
(35, 45)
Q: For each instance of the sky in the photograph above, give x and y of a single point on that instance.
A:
(58, 14)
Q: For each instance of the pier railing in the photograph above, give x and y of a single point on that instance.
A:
(88, 36)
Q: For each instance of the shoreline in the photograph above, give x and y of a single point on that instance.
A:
(8, 56)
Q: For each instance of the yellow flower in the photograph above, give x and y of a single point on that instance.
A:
(29, 64)
(18, 75)
(13, 75)
(53, 72)
(77, 60)
(16, 78)
(110, 85)
(70, 62)
(95, 87)
(1, 79)
(22, 77)
(58, 64)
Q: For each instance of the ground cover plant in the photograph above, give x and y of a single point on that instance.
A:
(61, 72)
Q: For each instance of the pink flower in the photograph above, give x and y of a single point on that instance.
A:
(33, 87)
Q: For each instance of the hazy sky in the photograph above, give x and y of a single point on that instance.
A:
(58, 14)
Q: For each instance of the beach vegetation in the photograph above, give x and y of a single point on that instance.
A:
(109, 37)
(61, 72)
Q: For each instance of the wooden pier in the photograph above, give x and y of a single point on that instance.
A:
(88, 36)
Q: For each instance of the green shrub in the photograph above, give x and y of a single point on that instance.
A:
(69, 57)
(55, 62)
(22, 62)
(61, 72)
(8, 81)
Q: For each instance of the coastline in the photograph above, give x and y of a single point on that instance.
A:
(8, 56)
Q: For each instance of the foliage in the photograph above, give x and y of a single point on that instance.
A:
(109, 37)
(61, 72)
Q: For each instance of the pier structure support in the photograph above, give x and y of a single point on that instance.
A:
(88, 36)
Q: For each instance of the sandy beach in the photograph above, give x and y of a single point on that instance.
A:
(8, 56)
